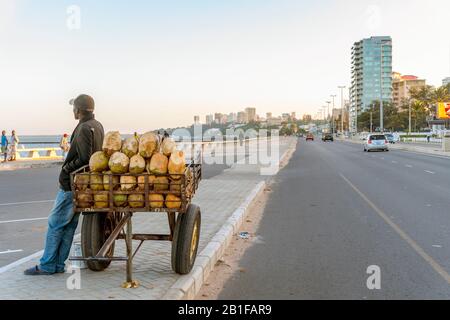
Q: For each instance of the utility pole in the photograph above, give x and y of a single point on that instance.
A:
(342, 108)
(332, 115)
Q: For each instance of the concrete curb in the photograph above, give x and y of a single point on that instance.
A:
(187, 287)
(29, 165)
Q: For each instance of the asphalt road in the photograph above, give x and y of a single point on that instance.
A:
(335, 211)
(26, 199)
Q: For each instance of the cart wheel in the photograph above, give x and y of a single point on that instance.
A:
(185, 240)
(95, 230)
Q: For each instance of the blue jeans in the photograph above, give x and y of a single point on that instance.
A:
(62, 224)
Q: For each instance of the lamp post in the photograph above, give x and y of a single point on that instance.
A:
(332, 115)
(342, 108)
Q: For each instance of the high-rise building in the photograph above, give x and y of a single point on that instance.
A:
(209, 119)
(232, 117)
(242, 117)
(293, 116)
(285, 116)
(218, 118)
(251, 114)
(371, 75)
(196, 119)
(446, 81)
(402, 85)
(269, 115)
(307, 118)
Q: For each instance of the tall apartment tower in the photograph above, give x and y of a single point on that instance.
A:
(371, 75)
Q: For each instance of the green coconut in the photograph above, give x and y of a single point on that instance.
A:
(96, 182)
(148, 144)
(98, 162)
(82, 182)
(130, 146)
(120, 200)
(119, 163)
(127, 183)
(168, 146)
(115, 180)
(161, 183)
(137, 164)
(101, 200)
(175, 186)
(173, 202)
(136, 200)
(84, 200)
(112, 143)
(158, 164)
(177, 164)
(156, 200)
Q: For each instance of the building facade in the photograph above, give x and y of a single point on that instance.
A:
(371, 75)
(209, 119)
(402, 85)
(251, 114)
(242, 117)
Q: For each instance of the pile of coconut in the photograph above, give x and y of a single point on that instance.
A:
(160, 161)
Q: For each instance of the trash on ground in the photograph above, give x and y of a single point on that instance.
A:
(244, 235)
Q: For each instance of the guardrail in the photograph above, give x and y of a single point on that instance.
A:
(31, 154)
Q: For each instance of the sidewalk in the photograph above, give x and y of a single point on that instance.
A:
(29, 164)
(219, 198)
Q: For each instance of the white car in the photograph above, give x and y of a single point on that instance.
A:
(376, 142)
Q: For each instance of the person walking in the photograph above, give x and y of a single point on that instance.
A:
(64, 145)
(14, 143)
(4, 146)
(86, 139)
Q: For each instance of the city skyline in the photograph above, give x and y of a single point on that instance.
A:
(146, 72)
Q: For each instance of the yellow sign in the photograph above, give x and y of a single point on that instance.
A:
(444, 110)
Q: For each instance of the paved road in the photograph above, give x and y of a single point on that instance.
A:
(335, 211)
(29, 194)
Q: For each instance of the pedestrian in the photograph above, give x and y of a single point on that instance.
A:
(4, 146)
(428, 138)
(14, 143)
(86, 139)
(64, 145)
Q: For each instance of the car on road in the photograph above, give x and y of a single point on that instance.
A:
(390, 137)
(327, 137)
(309, 137)
(376, 142)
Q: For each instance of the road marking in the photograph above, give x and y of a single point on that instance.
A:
(29, 202)
(408, 166)
(440, 270)
(430, 172)
(23, 220)
(11, 251)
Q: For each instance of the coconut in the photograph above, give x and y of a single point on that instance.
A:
(148, 144)
(173, 202)
(137, 164)
(141, 182)
(160, 183)
(84, 200)
(158, 164)
(101, 200)
(168, 146)
(112, 143)
(130, 146)
(115, 180)
(177, 164)
(127, 183)
(156, 200)
(82, 182)
(96, 182)
(175, 186)
(119, 163)
(98, 162)
(136, 200)
(120, 200)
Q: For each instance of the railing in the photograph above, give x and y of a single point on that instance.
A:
(28, 154)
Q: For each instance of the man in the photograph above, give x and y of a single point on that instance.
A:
(86, 139)
(64, 145)
(4, 146)
(14, 144)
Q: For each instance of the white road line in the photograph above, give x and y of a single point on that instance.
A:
(11, 251)
(21, 261)
(22, 220)
(408, 166)
(430, 172)
(28, 202)
(434, 264)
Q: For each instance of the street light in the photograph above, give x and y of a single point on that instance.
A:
(332, 110)
(342, 108)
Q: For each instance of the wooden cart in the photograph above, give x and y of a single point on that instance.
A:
(108, 221)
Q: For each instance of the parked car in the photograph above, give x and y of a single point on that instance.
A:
(376, 142)
(309, 137)
(390, 137)
(327, 137)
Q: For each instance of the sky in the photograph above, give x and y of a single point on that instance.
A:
(153, 64)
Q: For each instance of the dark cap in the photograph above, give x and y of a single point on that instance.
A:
(84, 103)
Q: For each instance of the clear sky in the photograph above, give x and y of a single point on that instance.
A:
(152, 64)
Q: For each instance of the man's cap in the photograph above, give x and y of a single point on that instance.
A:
(83, 102)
